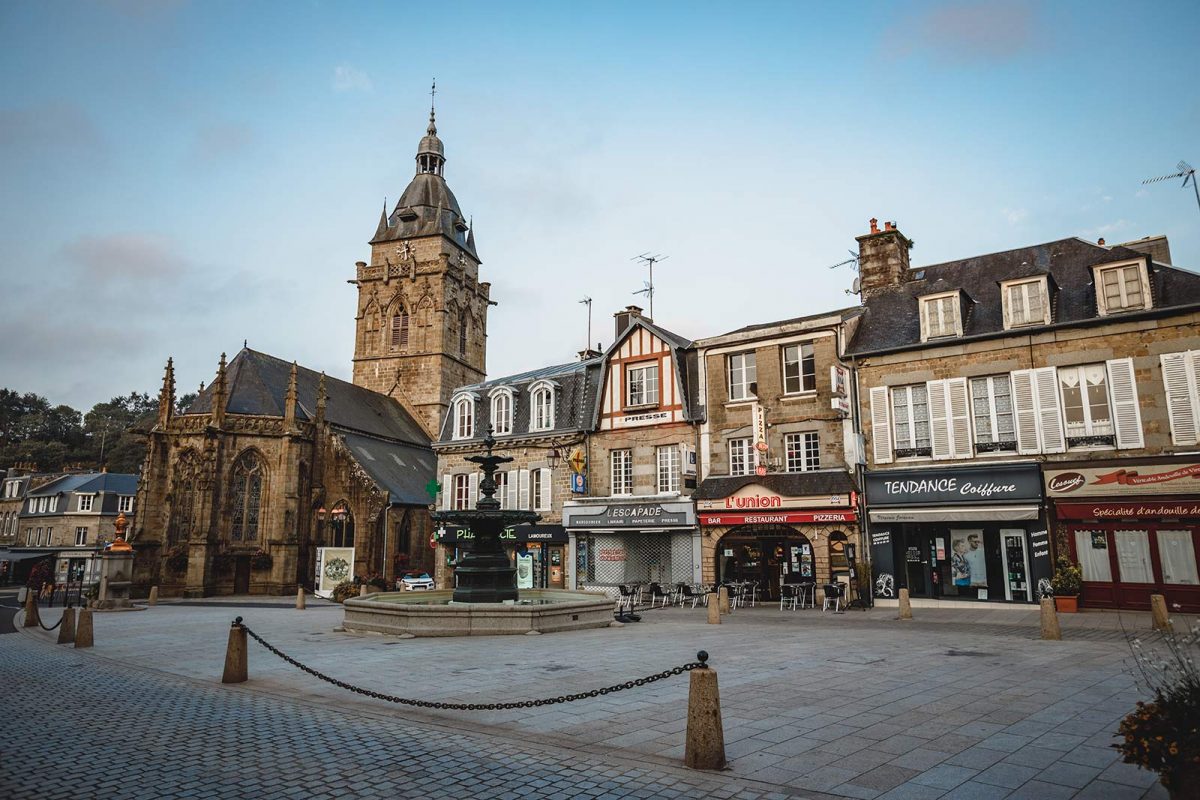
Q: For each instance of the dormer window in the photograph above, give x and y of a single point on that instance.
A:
(1025, 303)
(542, 406)
(502, 411)
(464, 417)
(940, 316)
(1124, 287)
(641, 384)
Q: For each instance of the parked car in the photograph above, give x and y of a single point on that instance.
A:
(416, 582)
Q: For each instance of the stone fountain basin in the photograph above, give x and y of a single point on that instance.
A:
(432, 613)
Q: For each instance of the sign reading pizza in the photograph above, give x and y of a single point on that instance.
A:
(1108, 482)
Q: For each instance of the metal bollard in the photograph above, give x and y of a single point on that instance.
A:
(235, 654)
(714, 609)
(905, 605)
(1050, 629)
(300, 598)
(705, 746)
(1158, 613)
(66, 629)
(83, 629)
(31, 610)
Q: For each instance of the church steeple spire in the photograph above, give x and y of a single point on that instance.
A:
(431, 155)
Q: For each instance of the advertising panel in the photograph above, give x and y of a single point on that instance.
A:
(334, 565)
(1172, 477)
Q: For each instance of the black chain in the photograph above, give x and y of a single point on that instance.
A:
(566, 698)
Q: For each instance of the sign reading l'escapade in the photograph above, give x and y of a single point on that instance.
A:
(962, 485)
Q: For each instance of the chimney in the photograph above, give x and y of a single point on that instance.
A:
(1101, 241)
(589, 353)
(625, 318)
(1157, 247)
(882, 257)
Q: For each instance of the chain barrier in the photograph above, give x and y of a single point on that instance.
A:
(546, 701)
(41, 624)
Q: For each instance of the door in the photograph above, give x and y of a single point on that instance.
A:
(916, 564)
(241, 575)
(1015, 558)
(556, 567)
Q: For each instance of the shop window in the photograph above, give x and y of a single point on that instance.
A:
(1091, 549)
(668, 468)
(1133, 556)
(803, 451)
(1085, 406)
(992, 412)
(1177, 554)
(743, 376)
(910, 420)
(799, 369)
(641, 385)
(740, 461)
(622, 472)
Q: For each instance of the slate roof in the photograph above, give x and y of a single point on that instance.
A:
(575, 401)
(258, 384)
(892, 318)
(402, 469)
(109, 482)
(790, 484)
(844, 313)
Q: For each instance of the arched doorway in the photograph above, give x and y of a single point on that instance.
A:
(767, 554)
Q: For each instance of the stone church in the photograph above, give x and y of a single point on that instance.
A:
(273, 461)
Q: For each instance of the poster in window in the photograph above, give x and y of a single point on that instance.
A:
(1099, 540)
(968, 559)
(525, 571)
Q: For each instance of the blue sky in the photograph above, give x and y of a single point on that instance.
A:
(183, 176)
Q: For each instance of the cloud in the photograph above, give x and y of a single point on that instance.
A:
(52, 126)
(1015, 215)
(120, 258)
(221, 142)
(348, 79)
(965, 33)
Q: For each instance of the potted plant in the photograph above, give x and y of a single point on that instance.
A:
(343, 590)
(177, 558)
(1163, 735)
(1067, 580)
(261, 559)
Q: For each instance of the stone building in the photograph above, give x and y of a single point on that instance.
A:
(778, 499)
(15, 559)
(636, 522)
(274, 461)
(540, 419)
(1046, 392)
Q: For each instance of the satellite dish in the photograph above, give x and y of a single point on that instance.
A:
(856, 287)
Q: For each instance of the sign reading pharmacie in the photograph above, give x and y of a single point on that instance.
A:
(756, 497)
(629, 515)
(1161, 478)
(999, 483)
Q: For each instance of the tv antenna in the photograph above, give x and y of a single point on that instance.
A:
(1185, 171)
(853, 259)
(649, 259)
(587, 343)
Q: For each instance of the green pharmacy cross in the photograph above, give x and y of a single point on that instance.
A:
(433, 487)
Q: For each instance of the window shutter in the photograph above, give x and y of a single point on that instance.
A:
(1127, 417)
(1025, 412)
(472, 490)
(447, 490)
(881, 426)
(1179, 372)
(511, 488)
(1049, 410)
(939, 429)
(523, 491)
(959, 412)
(547, 503)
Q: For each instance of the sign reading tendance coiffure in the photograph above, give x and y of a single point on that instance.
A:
(1001, 483)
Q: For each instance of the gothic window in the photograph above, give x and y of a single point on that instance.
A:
(246, 490)
(341, 525)
(463, 323)
(399, 332)
(183, 499)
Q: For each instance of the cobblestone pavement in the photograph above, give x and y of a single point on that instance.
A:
(952, 705)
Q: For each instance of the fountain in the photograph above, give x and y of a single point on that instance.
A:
(485, 600)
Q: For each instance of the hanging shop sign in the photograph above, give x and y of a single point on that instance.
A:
(954, 486)
(578, 483)
(839, 380)
(1161, 509)
(1171, 477)
(629, 515)
(783, 517)
(755, 496)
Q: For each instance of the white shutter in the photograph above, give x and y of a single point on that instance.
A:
(523, 490)
(547, 483)
(1127, 417)
(447, 490)
(1049, 410)
(939, 429)
(511, 488)
(473, 490)
(1025, 412)
(1179, 372)
(959, 413)
(881, 426)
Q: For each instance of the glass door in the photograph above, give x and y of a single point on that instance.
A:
(1016, 565)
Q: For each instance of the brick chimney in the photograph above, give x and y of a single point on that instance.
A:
(626, 317)
(882, 257)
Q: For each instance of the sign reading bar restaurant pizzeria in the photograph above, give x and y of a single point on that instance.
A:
(1000, 483)
(768, 518)
(629, 515)
(1172, 477)
(755, 497)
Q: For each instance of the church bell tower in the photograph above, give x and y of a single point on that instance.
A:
(421, 324)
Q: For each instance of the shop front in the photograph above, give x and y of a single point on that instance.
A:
(958, 533)
(790, 528)
(538, 553)
(1134, 529)
(624, 540)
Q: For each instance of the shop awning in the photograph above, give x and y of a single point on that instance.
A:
(9, 555)
(951, 514)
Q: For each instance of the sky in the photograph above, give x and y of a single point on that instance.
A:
(181, 177)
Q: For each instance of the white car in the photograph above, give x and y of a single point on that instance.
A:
(416, 583)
